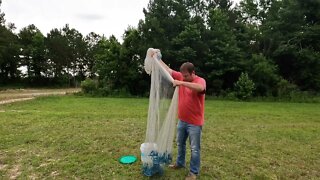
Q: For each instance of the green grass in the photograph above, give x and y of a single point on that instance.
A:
(78, 137)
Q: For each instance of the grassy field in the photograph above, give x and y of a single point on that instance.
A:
(82, 138)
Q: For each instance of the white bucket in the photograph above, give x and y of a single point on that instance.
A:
(146, 149)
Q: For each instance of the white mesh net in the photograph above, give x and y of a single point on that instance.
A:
(162, 114)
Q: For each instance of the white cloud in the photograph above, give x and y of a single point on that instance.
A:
(100, 16)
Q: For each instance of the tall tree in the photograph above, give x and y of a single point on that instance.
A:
(33, 52)
(77, 65)
(91, 40)
(58, 53)
(9, 58)
(2, 20)
(133, 72)
(297, 53)
(108, 63)
(164, 21)
(9, 51)
(225, 62)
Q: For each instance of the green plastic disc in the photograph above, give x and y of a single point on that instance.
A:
(128, 159)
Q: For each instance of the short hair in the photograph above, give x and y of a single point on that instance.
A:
(187, 67)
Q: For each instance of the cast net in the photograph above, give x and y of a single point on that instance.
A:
(162, 114)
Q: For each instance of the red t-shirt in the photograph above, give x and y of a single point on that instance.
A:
(191, 103)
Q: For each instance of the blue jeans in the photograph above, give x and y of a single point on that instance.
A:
(194, 132)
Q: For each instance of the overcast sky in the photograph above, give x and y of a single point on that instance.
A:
(99, 16)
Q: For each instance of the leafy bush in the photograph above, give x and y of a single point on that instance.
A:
(285, 88)
(89, 86)
(264, 73)
(244, 87)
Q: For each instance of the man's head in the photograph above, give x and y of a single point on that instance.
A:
(187, 71)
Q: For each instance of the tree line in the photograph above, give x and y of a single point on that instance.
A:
(274, 44)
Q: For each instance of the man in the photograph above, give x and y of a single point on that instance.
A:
(192, 90)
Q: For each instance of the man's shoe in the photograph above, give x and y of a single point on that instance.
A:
(175, 166)
(191, 176)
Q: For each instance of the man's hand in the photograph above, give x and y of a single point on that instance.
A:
(177, 83)
(156, 53)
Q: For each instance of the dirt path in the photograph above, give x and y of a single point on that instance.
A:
(14, 95)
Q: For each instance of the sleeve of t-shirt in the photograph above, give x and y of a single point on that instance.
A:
(177, 75)
(202, 82)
